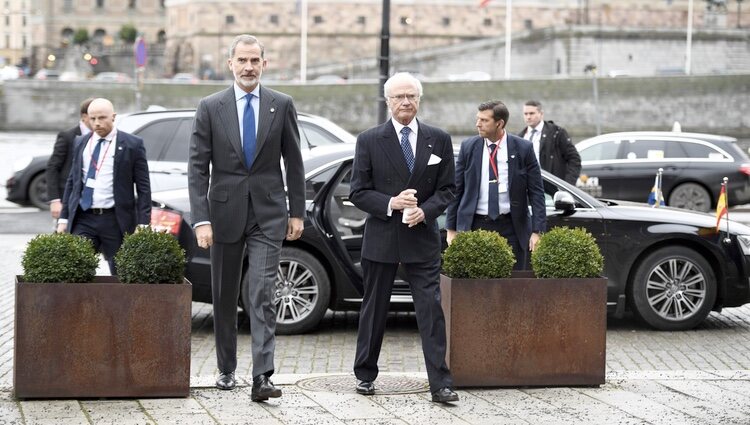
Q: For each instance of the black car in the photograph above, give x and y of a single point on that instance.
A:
(166, 135)
(669, 266)
(623, 166)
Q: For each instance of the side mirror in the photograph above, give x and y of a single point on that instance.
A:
(564, 201)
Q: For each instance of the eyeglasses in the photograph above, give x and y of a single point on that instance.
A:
(410, 97)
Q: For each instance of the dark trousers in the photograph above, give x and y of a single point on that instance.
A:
(504, 226)
(424, 280)
(101, 228)
(226, 278)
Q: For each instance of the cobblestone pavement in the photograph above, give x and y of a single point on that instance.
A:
(699, 376)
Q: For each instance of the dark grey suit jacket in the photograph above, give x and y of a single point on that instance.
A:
(220, 193)
(380, 172)
(58, 165)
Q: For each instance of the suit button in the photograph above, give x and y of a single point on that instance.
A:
(429, 180)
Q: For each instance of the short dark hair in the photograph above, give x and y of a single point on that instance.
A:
(85, 105)
(535, 103)
(246, 39)
(498, 108)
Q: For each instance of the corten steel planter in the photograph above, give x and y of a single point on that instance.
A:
(102, 339)
(525, 331)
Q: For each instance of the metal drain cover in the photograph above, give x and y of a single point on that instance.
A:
(383, 385)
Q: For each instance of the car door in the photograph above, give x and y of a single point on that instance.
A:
(599, 165)
(642, 159)
(167, 142)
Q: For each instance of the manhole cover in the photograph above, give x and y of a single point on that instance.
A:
(383, 385)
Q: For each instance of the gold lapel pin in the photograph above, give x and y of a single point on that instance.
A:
(273, 110)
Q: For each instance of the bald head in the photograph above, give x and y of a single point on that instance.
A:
(102, 116)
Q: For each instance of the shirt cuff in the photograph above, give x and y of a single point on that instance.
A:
(62, 221)
(200, 223)
(389, 212)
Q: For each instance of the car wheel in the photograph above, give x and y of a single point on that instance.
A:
(301, 294)
(691, 196)
(673, 289)
(38, 192)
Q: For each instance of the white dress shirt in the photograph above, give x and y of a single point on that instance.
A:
(502, 180)
(414, 127)
(239, 96)
(537, 139)
(104, 195)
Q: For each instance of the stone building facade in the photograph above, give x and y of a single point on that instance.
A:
(15, 33)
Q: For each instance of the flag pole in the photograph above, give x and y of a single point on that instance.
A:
(724, 184)
(659, 195)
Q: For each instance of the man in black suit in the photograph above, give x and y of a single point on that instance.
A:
(497, 177)
(58, 165)
(552, 146)
(109, 168)
(403, 177)
(239, 205)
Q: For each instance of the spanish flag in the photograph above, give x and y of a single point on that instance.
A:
(721, 206)
(483, 3)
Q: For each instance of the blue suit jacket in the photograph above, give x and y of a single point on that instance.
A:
(524, 188)
(380, 172)
(130, 178)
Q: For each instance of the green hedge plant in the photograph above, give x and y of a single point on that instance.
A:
(567, 253)
(479, 254)
(150, 256)
(59, 257)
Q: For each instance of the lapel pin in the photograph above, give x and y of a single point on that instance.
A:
(429, 146)
(273, 110)
(512, 156)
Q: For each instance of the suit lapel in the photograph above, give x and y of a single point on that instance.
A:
(477, 150)
(512, 158)
(227, 112)
(266, 116)
(424, 150)
(391, 146)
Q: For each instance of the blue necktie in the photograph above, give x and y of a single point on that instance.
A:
(493, 203)
(87, 197)
(248, 132)
(406, 148)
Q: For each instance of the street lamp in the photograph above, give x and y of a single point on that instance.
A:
(592, 68)
(384, 58)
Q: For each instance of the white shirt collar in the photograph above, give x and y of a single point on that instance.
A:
(239, 93)
(538, 128)
(413, 126)
(503, 140)
(84, 128)
(109, 137)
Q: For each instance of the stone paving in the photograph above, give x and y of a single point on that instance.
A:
(696, 377)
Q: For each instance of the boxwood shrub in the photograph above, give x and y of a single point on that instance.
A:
(478, 254)
(59, 257)
(149, 256)
(566, 253)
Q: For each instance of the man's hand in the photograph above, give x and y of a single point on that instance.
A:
(61, 228)
(405, 199)
(204, 235)
(533, 240)
(449, 235)
(416, 216)
(54, 208)
(294, 228)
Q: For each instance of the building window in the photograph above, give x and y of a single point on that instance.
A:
(229, 19)
(161, 3)
(68, 5)
(487, 22)
(161, 37)
(274, 19)
(7, 20)
(405, 20)
(100, 4)
(23, 41)
(318, 19)
(446, 22)
(361, 20)
(131, 4)
(7, 41)
(23, 21)
(528, 24)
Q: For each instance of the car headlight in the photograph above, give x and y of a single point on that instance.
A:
(744, 241)
(21, 163)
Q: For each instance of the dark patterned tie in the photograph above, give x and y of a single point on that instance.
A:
(248, 132)
(406, 148)
(87, 196)
(493, 203)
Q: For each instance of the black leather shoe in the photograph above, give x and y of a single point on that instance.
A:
(365, 387)
(263, 388)
(444, 395)
(226, 381)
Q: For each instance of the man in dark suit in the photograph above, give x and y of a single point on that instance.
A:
(497, 177)
(403, 177)
(109, 168)
(552, 146)
(58, 165)
(239, 206)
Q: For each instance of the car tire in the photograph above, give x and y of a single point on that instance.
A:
(38, 192)
(673, 289)
(297, 311)
(691, 196)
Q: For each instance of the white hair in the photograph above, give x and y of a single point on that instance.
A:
(402, 77)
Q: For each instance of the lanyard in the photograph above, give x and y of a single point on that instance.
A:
(493, 160)
(96, 162)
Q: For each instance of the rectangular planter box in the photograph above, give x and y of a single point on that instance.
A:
(102, 339)
(525, 331)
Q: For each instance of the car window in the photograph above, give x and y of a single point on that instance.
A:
(601, 151)
(315, 183)
(156, 135)
(697, 150)
(313, 136)
(178, 149)
(653, 149)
